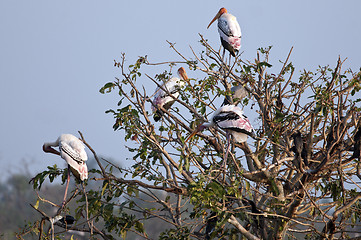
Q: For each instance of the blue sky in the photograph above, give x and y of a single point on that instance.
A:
(55, 55)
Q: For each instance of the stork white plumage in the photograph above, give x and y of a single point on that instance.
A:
(166, 98)
(72, 150)
(231, 119)
(229, 31)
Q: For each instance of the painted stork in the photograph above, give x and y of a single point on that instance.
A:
(231, 119)
(166, 98)
(229, 31)
(72, 150)
(238, 93)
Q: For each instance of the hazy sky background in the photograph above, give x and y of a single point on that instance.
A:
(55, 55)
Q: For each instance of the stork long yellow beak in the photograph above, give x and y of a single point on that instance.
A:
(199, 128)
(214, 19)
(219, 14)
(192, 135)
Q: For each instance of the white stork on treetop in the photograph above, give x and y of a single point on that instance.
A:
(231, 119)
(229, 31)
(166, 94)
(72, 150)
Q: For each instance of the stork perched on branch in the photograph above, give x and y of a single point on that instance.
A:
(229, 31)
(231, 119)
(72, 150)
(166, 97)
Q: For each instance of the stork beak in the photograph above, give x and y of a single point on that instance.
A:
(49, 149)
(199, 128)
(219, 14)
(214, 19)
(192, 135)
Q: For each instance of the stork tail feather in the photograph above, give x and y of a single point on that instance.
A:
(157, 115)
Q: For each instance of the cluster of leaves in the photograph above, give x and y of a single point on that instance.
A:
(51, 173)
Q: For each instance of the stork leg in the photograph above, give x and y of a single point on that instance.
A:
(228, 136)
(224, 52)
(66, 188)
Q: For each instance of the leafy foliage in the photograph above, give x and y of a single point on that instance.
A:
(273, 187)
(51, 173)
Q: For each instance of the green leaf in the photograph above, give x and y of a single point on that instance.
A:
(266, 64)
(103, 189)
(123, 234)
(217, 189)
(37, 204)
(139, 226)
(110, 111)
(107, 88)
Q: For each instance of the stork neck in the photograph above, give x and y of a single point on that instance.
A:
(47, 147)
(207, 125)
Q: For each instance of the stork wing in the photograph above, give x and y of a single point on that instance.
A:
(73, 150)
(223, 26)
(171, 88)
(233, 121)
(75, 155)
(225, 117)
(173, 85)
(229, 26)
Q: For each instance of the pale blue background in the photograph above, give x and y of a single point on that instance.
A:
(55, 55)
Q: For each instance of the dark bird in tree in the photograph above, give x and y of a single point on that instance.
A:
(335, 131)
(300, 150)
(251, 203)
(67, 220)
(258, 219)
(211, 224)
(214, 217)
(330, 228)
(357, 145)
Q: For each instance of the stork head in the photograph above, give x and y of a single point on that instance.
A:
(47, 148)
(182, 73)
(219, 14)
(200, 128)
